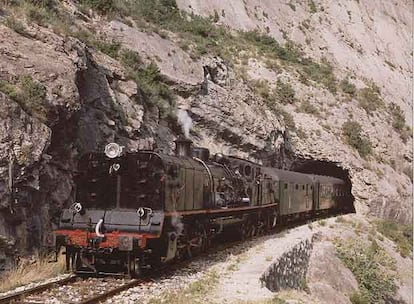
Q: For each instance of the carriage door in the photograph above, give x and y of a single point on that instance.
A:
(315, 195)
(291, 196)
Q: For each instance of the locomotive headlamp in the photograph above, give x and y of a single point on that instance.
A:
(77, 207)
(113, 150)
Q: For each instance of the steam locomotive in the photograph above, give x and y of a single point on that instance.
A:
(136, 211)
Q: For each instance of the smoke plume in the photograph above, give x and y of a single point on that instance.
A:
(185, 121)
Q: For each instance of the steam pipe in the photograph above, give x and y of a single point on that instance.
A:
(210, 176)
(98, 229)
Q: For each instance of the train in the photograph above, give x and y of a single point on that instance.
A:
(137, 211)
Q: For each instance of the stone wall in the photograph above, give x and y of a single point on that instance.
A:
(289, 270)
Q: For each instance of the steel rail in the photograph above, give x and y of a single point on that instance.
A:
(103, 296)
(14, 297)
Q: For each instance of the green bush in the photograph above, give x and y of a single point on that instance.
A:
(352, 133)
(151, 82)
(102, 6)
(301, 133)
(408, 170)
(348, 87)
(285, 92)
(321, 73)
(372, 267)
(369, 98)
(131, 59)
(292, 6)
(288, 119)
(48, 4)
(309, 108)
(360, 298)
(401, 235)
(16, 26)
(110, 48)
(312, 7)
(269, 46)
(398, 121)
(29, 94)
(261, 87)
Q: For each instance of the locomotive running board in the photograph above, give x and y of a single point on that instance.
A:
(222, 210)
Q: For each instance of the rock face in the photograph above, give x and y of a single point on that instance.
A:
(328, 277)
(89, 100)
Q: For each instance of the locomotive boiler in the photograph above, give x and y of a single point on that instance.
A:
(135, 211)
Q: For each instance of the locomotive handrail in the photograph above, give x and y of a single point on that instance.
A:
(210, 176)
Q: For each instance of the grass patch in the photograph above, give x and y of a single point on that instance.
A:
(29, 94)
(372, 267)
(401, 235)
(351, 130)
(29, 272)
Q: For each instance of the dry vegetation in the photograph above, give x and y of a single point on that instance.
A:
(195, 293)
(29, 271)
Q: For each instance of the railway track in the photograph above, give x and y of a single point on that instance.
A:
(78, 290)
(18, 296)
(73, 290)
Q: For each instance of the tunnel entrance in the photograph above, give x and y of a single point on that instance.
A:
(321, 167)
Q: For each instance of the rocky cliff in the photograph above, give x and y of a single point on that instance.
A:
(335, 79)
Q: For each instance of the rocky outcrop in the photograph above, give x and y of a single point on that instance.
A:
(328, 277)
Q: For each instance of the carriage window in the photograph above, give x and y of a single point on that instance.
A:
(247, 170)
(286, 186)
(303, 187)
(297, 186)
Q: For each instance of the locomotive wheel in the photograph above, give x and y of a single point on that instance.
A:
(244, 231)
(134, 266)
(252, 229)
(199, 241)
(76, 261)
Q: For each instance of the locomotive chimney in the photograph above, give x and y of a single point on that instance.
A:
(183, 146)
